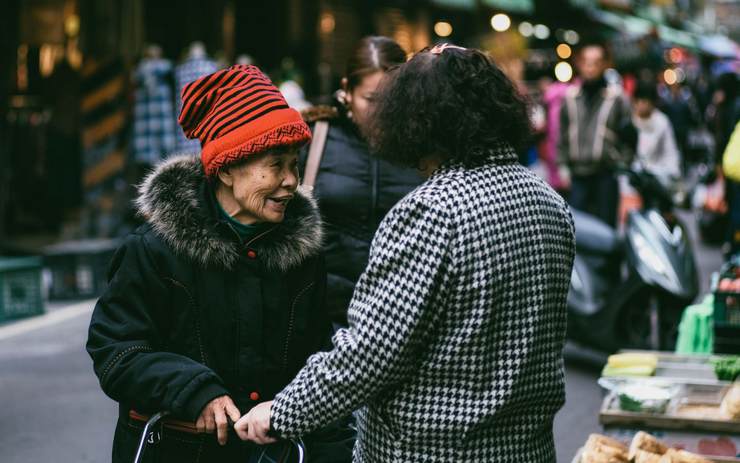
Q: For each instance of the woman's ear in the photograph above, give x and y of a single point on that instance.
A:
(347, 94)
(226, 177)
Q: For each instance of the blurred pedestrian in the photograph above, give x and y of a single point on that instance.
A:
(218, 300)
(458, 323)
(656, 147)
(725, 114)
(553, 97)
(593, 118)
(679, 105)
(354, 189)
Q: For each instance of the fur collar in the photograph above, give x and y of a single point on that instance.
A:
(173, 199)
(319, 113)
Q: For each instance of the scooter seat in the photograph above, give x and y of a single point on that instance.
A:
(593, 235)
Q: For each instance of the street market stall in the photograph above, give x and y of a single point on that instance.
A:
(691, 403)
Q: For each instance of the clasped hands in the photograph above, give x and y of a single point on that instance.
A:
(254, 426)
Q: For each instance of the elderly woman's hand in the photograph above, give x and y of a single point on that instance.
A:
(255, 425)
(214, 417)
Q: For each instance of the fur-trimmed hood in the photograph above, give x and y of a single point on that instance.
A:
(173, 200)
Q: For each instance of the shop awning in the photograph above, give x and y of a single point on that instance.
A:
(677, 37)
(719, 46)
(631, 25)
(513, 6)
(461, 4)
(636, 26)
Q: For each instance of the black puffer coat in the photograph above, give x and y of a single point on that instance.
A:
(355, 191)
(192, 313)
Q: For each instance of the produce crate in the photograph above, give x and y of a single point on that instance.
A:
(726, 339)
(78, 269)
(20, 287)
(695, 408)
(727, 308)
(727, 300)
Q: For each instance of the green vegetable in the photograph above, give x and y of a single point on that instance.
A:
(629, 404)
(727, 368)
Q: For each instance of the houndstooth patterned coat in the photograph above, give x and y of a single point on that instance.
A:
(456, 326)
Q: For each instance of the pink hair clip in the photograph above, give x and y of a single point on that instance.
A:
(444, 46)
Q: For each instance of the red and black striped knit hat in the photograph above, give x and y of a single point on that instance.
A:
(237, 112)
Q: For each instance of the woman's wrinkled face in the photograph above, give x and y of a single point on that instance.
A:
(362, 96)
(263, 185)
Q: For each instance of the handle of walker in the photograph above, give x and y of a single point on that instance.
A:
(301, 449)
(148, 435)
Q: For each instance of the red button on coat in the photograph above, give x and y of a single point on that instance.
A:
(252, 254)
(254, 396)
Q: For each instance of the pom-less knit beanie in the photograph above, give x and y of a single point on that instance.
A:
(237, 112)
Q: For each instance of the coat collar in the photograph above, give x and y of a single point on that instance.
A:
(499, 154)
(175, 199)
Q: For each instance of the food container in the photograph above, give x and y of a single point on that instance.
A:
(644, 398)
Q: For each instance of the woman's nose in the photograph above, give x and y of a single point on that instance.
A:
(290, 180)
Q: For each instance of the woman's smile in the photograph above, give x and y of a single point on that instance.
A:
(278, 203)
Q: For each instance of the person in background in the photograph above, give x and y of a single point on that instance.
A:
(552, 98)
(454, 348)
(724, 115)
(679, 105)
(593, 118)
(656, 146)
(354, 189)
(724, 112)
(731, 168)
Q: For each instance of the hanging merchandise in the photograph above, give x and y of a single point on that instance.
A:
(154, 114)
(196, 65)
(104, 113)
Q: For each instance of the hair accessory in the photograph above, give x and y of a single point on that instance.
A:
(438, 49)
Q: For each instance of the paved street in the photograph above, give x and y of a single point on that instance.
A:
(52, 407)
(53, 410)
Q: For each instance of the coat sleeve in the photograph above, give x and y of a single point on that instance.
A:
(126, 337)
(389, 317)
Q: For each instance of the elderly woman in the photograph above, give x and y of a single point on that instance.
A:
(217, 301)
(457, 325)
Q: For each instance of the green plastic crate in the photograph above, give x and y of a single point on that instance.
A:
(79, 269)
(20, 287)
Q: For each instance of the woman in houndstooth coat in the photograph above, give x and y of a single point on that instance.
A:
(454, 349)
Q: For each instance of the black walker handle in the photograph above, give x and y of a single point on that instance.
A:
(149, 436)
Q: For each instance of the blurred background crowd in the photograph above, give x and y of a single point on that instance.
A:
(89, 90)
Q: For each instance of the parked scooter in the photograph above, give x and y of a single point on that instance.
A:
(630, 292)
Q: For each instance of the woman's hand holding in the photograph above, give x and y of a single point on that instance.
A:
(215, 415)
(255, 425)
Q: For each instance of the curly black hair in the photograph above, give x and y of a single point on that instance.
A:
(456, 105)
